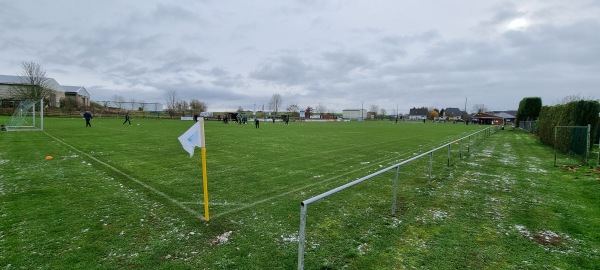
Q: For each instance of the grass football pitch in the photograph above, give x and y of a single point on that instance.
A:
(129, 196)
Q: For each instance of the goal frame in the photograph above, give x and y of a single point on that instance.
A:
(37, 123)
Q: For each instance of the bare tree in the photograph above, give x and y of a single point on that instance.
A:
(294, 110)
(479, 108)
(374, 108)
(198, 106)
(118, 101)
(142, 105)
(575, 97)
(132, 103)
(321, 108)
(240, 109)
(182, 106)
(171, 99)
(382, 112)
(308, 112)
(33, 83)
(275, 103)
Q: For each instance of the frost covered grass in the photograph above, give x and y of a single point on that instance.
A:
(130, 197)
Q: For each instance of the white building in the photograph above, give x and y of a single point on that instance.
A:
(354, 114)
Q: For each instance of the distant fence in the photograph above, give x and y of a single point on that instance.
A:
(530, 126)
(472, 139)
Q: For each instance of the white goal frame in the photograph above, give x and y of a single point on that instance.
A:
(37, 123)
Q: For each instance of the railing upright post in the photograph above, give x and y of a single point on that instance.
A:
(587, 147)
(394, 197)
(555, 130)
(460, 149)
(430, 166)
(302, 236)
(449, 154)
(469, 145)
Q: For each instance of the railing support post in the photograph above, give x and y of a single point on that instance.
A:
(302, 236)
(430, 166)
(449, 154)
(394, 197)
(460, 149)
(469, 145)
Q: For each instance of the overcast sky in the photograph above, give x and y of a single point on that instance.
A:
(341, 54)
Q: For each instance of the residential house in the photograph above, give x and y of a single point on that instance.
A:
(418, 114)
(452, 113)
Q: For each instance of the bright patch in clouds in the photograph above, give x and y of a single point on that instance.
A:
(518, 24)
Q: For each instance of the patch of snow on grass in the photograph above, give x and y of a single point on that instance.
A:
(3, 161)
(523, 231)
(290, 238)
(395, 223)
(363, 248)
(433, 215)
(439, 215)
(221, 239)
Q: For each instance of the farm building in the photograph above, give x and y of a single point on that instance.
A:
(8, 81)
(78, 93)
(487, 119)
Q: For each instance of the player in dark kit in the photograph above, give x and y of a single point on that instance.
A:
(127, 119)
(88, 116)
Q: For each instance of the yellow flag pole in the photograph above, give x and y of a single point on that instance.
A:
(205, 184)
(204, 178)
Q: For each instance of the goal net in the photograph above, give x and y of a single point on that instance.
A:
(573, 141)
(29, 115)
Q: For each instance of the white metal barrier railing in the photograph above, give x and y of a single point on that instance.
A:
(304, 204)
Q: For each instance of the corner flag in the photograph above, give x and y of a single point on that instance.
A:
(192, 138)
(189, 140)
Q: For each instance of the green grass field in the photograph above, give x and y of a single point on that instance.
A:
(119, 196)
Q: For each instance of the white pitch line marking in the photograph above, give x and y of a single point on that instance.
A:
(148, 187)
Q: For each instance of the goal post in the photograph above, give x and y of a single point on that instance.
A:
(572, 140)
(28, 116)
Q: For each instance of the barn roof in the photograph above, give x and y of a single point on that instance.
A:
(80, 90)
(9, 79)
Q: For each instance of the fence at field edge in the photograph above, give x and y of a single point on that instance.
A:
(530, 126)
(304, 204)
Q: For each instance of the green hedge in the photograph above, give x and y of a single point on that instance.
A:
(529, 109)
(575, 113)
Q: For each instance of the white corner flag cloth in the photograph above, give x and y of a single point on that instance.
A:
(191, 138)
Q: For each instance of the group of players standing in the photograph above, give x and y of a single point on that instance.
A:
(242, 119)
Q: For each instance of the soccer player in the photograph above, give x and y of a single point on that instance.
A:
(88, 116)
(127, 119)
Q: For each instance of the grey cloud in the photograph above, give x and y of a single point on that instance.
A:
(574, 44)
(503, 12)
(171, 12)
(425, 37)
(339, 64)
(286, 69)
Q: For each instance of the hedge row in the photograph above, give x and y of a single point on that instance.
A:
(575, 113)
(529, 109)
